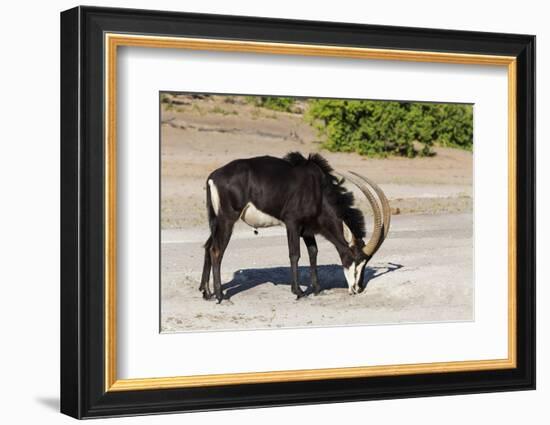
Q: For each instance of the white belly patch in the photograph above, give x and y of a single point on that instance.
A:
(256, 218)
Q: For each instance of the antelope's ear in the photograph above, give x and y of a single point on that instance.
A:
(348, 236)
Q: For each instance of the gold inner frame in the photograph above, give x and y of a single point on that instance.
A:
(113, 41)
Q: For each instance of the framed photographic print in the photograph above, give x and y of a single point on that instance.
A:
(261, 212)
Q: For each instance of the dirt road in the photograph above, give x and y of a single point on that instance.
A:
(422, 273)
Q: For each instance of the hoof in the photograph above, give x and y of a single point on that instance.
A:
(297, 291)
(206, 295)
(357, 289)
(219, 297)
(300, 294)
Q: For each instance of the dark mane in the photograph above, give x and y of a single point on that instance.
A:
(296, 158)
(335, 193)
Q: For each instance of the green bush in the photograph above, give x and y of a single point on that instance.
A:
(381, 128)
(284, 104)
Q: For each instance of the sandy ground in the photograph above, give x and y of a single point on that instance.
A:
(422, 273)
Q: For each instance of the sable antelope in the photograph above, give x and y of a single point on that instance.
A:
(305, 196)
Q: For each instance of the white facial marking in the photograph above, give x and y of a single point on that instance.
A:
(214, 196)
(256, 218)
(348, 236)
(349, 272)
(358, 269)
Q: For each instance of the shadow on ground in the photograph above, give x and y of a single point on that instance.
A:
(49, 402)
(330, 277)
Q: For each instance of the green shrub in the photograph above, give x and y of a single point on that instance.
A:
(455, 125)
(381, 128)
(284, 104)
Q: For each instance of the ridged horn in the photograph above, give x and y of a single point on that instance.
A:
(374, 242)
(386, 209)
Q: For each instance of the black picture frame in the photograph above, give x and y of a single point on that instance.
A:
(83, 392)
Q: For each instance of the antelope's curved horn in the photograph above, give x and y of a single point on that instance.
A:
(374, 242)
(386, 209)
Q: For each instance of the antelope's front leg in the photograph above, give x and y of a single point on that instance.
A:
(312, 251)
(293, 237)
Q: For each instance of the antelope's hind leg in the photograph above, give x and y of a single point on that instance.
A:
(205, 279)
(220, 240)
